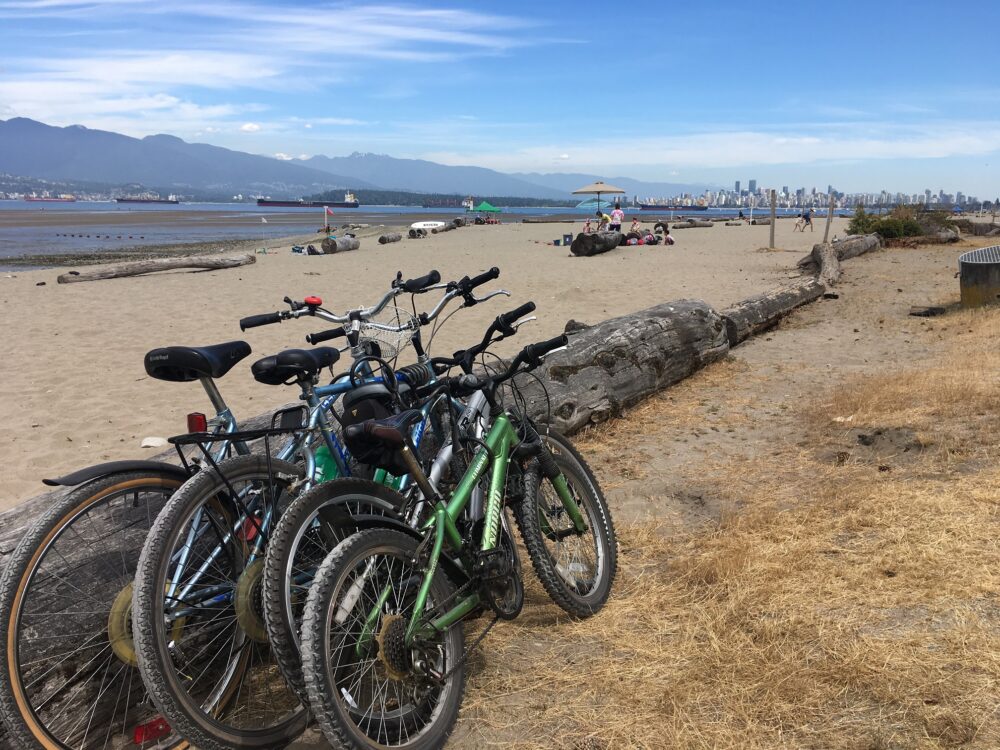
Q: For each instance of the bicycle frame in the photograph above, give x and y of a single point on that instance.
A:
(319, 400)
(495, 456)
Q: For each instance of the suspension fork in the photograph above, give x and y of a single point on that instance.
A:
(550, 470)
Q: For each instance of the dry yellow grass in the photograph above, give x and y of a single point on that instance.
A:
(837, 607)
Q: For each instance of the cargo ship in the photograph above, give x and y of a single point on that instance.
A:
(668, 207)
(349, 202)
(60, 199)
(143, 199)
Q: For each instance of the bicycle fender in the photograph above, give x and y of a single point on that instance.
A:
(454, 570)
(97, 471)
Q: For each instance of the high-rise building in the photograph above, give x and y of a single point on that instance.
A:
(752, 186)
(737, 188)
(784, 189)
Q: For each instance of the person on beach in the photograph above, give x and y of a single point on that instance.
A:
(741, 217)
(635, 225)
(667, 239)
(603, 221)
(586, 227)
(807, 219)
(617, 217)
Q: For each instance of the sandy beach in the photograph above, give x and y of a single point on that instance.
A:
(73, 387)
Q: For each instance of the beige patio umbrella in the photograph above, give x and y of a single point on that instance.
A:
(597, 188)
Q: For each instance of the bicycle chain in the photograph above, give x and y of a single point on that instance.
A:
(479, 639)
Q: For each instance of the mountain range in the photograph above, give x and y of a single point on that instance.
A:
(34, 149)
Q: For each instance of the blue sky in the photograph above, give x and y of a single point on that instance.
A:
(866, 96)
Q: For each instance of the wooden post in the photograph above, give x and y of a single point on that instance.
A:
(773, 216)
(829, 220)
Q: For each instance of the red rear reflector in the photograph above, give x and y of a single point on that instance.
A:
(249, 530)
(314, 301)
(151, 731)
(197, 422)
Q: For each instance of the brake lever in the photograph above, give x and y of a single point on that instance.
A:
(517, 324)
(489, 296)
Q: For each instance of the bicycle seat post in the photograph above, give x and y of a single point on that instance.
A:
(213, 394)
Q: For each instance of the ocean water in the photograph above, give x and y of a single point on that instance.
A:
(28, 228)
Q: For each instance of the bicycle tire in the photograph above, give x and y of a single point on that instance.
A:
(529, 515)
(295, 544)
(29, 720)
(209, 723)
(330, 703)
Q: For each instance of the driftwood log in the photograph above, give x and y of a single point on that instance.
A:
(157, 264)
(761, 222)
(595, 243)
(340, 245)
(445, 228)
(692, 223)
(416, 234)
(824, 260)
(390, 237)
(615, 364)
(760, 312)
(460, 221)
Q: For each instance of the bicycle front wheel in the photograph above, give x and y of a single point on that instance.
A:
(70, 678)
(198, 611)
(576, 569)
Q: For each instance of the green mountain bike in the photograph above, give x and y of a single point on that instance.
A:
(382, 634)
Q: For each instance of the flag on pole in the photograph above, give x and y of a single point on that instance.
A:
(329, 211)
(263, 220)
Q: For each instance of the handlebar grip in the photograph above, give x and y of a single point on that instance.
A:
(507, 319)
(259, 320)
(482, 278)
(535, 351)
(421, 283)
(333, 333)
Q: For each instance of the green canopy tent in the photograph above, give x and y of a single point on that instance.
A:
(488, 207)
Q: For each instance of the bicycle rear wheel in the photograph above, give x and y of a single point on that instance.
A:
(311, 527)
(575, 569)
(70, 678)
(199, 632)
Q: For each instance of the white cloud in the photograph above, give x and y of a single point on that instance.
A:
(250, 127)
(283, 157)
(747, 148)
(231, 47)
(563, 157)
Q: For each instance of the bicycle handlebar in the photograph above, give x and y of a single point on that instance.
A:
(421, 283)
(505, 321)
(333, 333)
(253, 321)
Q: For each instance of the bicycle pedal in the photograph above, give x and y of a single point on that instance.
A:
(492, 564)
